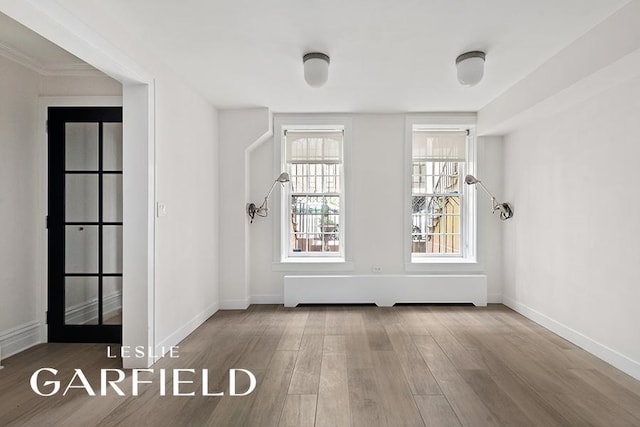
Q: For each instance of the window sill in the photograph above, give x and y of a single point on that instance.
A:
(444, 265)
(313, 264)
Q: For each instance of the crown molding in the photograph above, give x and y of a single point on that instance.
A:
(57, 70)
(73, 70)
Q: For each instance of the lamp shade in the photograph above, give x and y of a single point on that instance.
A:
(283, 177)
(316, 68)
(470, 67)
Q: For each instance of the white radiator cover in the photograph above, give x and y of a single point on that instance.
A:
(385, 290)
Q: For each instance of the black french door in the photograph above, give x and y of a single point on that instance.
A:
(85, 224)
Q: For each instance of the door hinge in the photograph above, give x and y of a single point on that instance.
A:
(47, 126)
(47, 317)
(47, 223)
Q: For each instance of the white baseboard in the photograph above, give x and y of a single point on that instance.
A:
(234, 304)
(605, 353)
(267, 299)
(180, 334)
(20, 338)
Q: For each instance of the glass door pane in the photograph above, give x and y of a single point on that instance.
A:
(81, 197)
(112, 249)
(81, 249)
(81, 146)
(112, 198)
(112, 146)
(81, 301)
(112, 300)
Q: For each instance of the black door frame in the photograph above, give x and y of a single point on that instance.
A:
(57, 330)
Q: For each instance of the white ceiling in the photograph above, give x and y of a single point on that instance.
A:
(33, 51)
(385, 55)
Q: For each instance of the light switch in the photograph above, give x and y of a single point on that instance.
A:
(162, 209)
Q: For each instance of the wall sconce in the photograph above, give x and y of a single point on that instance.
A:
(470, 67)
(263, 210)
(316, 68)
(505, 209)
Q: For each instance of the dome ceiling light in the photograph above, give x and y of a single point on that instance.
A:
(316, 68)
(470, 67)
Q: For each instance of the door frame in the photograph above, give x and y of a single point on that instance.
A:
(62, 27)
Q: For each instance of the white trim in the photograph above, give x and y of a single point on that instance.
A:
(234, 304)
(31, 63)
(609, 355)
(344, 122)
(267, 299)
(467, 261)
(71, 70)
(138, 232)
(20, 338)
(184, 331)
(20, 58)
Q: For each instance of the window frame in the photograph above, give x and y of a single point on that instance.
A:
(468, 215)
(282, 233)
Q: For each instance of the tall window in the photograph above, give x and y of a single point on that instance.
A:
(314, 161)
(437, 204)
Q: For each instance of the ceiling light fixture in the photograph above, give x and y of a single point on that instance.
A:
(316, 68)
(470, 67)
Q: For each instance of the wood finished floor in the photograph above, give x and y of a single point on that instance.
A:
(347, 366)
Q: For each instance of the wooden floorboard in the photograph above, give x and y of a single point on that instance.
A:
(342, 366)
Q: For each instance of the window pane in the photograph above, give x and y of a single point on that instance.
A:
(112, 300)
(81, 301)
(314, 163)
(435, 224)
(112, 146)
(439, 159)
(81, 198)
(81, 249)
(112, 248)
(81, 151)
(315, 223)
(112, 198)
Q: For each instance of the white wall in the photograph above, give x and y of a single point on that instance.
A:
(490, 228)
(376, 206)
(240, 132)
(186, 288)
(571, 251)
(79, 85)
(20, 196)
